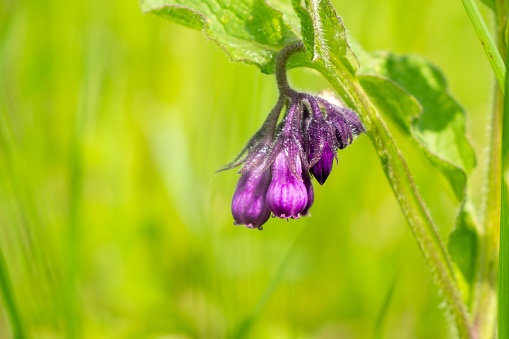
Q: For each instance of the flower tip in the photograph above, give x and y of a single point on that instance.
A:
(250, 225)
(321, 171)
(319, 177)
(289, 216)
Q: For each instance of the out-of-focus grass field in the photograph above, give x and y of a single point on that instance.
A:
(114, 225)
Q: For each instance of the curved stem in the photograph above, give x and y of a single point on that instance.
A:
(282, 59)
(265, 134)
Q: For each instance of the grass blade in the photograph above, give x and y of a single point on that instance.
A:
(9, 300)
(487, 41)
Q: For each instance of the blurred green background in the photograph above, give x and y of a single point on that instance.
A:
(114, 225)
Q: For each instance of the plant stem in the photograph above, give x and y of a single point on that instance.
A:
(503, 282)
(416, 213)
(398, 174)
(487, 42)
(282, 58)
(484, 307)
(420, 222)
(484, 301)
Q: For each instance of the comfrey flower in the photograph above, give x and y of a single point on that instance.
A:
(280, 159)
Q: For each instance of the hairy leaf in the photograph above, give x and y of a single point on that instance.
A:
(325, 39)
(414, 95)
(324, 35)
(249, 31)
(439, 128)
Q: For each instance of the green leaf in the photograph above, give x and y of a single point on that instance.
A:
(463, 242)
(439, 129)
(324, 35)
(414, 95)
(334, 58)
(306, 26)
(249, 31)
(390, 97)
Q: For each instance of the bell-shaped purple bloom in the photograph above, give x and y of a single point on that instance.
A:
(323, 167)
(248, 204)
(287, 196)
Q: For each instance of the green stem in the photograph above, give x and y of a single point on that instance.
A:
(398, 173)
(484, 303)
(282, 58)
(416, 213)
(487, 42)
(484, 307)
(503, 283)
(420, 222)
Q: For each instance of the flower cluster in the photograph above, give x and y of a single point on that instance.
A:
(276, 176)
(280, 159)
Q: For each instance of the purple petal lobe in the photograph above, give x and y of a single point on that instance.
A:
(311, 193)
(287, 195)
(323, 167)
(248, 204)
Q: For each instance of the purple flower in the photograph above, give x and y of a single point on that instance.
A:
(279, 159)
(248, 204)
(287, 196)
(345, 123)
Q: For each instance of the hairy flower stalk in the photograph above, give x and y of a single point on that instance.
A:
(280, 159)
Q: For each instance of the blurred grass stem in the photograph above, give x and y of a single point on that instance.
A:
(487, 41)
(9, 301)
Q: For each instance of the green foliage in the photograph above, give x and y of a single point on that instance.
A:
(248, 31)
(414, 95)
(464, 243)
(438, 125)
(434, 120)
(112, 223)
(324, 36)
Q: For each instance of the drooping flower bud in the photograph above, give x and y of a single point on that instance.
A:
(248, 204)
(323, 167)
(345, 122)
(287, 195)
